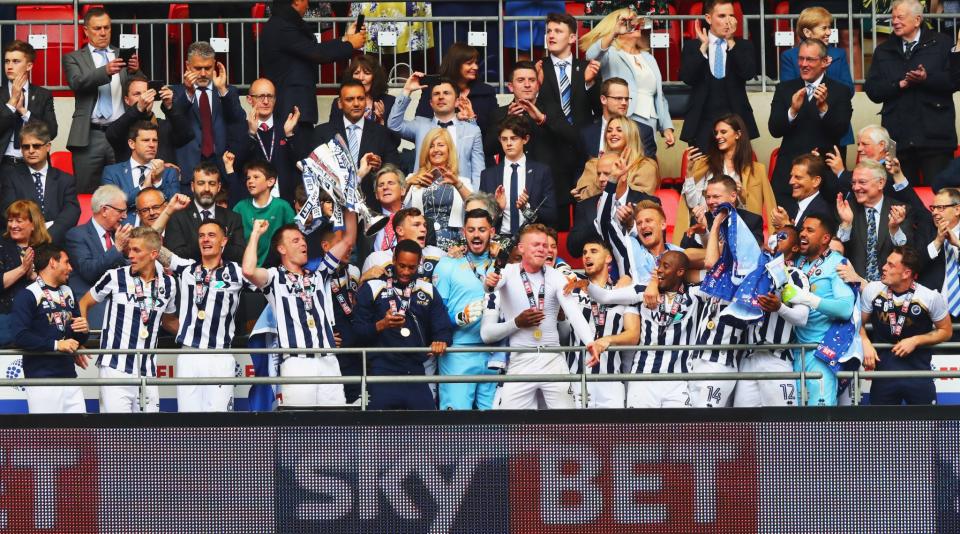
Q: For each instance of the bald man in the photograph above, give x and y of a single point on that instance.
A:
(266, 139)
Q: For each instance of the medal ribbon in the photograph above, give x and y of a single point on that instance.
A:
(538, 303)
(894, 319)
(273, 139)
(344, 296)
(202, 282)
(599, 316)
(145, 309)
(402, 302)
(61, 301)
(816, 264)
(678, 300)
(301, 286)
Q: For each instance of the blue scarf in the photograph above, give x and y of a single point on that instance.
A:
(744, 304)
(263, 397)
(738, 258)
(842, 342)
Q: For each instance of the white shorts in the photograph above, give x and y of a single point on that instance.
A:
(55, 399)
(601, 395)
(758, 393)
(710, 393)
(311, 394)
(126, 399)
(204, 398)
(666, 394)
(523, 395)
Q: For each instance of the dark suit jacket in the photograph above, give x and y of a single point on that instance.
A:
(922, 115)
(60, 198)
(173, 132)
(695, 72)
(289, 55)
(388, 101)
(483, 99)
(584, 229)
(856, 248)
(538, 183)
(948, 177)
(85, 80)
(818, 205)
(39, 104)
(808, 131)
(376, 138)
(90, 261)
(591, 135)
(542, 146)
(584, 104)
(226, 114)
(282, 157)
(753, 221)
(180, 235)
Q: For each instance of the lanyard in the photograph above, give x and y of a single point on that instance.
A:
(344, 296)
(273, 139)
(816, 264)
(528, 288)
(145, 308)
(202, 282)
(895, 319)
(399, 308)
(301, 286)
(674, 314)
(473, 268)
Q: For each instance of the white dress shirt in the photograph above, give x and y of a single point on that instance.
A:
(802, 206)
(116, 91)
(135, 172)
(10, 151)
(100, 232)
(521, 184)
(452, 130)
(712, 52)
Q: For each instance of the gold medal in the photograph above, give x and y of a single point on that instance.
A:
(537, 334)
(201, 315)
(405, 332)
(144, 333)
(311, 323)
(711, 325)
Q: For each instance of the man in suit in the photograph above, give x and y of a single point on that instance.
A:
(143, 169)
(443, 99)
(806, 176)
(910, 75)
(96, 74)
(211, 106)
(716, 66)
(363, 136)
(52, 189)
(567, 86)
(290, 54)
(614, 101)
(871, 224)
(180, 226)
(720, 190)
(269, 138)
(812, 112)
(97, 246)
(24, 102)
(174, 131)
(518, 182)
(942, 254)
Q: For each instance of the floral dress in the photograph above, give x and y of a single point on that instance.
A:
(411, 36)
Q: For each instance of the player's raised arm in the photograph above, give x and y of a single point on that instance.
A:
(257, 275)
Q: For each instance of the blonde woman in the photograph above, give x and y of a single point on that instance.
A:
(642, 172)
(438, 189)
(731, 154)
(26, 229)
(619, 44)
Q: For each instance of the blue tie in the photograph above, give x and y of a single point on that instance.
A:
(38, 183)
(952, 280)
(718, 58)
(354, 141)
(105, 100)
(565, 91)
(873, 270)
(514, 195)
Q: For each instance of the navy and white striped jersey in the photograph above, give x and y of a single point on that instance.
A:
(673, 322)
(207, 310)
(302, 306)
(774, 328)
(714, 327)
(613, 318)
(384, 258)
(130, 301)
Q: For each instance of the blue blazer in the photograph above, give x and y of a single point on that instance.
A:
(615, 63)
(469, 140)
(89, 262)
(226, 112)
(539, 185)
(119, 175)
(838, 70)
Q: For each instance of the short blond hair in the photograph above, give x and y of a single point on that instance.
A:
(810, 18)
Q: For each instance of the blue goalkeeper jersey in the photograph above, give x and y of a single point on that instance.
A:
(836, 295)
(460, 282)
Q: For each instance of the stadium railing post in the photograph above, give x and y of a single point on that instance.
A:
(803, 376)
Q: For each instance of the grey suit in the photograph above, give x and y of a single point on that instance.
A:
(90, 148)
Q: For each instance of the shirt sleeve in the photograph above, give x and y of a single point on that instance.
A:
(492, 329)
(106, 286)
(626, 295)
(938, 306)
(571, 308)
(178, 264)
(869, 293)
(899, 238)
(171, 298)
(843, 234)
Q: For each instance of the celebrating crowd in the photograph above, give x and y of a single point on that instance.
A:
(209, 223)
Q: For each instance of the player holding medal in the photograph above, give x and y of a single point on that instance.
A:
(141, 299)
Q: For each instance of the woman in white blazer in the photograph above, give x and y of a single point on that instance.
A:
(439, 196)
(618, 43)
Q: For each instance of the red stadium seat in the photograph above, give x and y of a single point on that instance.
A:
(62, 160)
(670, 200)
(926, 195)
(258, 11)
(86, 212)
(782, 25)
(562, 251)
(956, 153)
(773, 162)
(691, 26)
(60, 40)
(181, 35)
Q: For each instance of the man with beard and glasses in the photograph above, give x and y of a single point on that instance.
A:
(180, 228)
(463, 283)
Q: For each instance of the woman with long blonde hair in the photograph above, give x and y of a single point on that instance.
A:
(642, 172)
(619, 43)
(437, 188)
(26, 229)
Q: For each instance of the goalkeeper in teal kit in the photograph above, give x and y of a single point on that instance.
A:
(832, 306)
(462, 283)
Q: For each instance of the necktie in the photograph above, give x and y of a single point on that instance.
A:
(264, 127)
(354, 142)
(143, 174)
(108, 243)
(952, 280)
(566, 93)
(206, 125)
(873, 270)
(17, 124)
(908, 49)
(38, 183)
(388, 235)
(810, 89)
(105, 100)
(444, 125)
(514, 194)
(205, 214)
(718, 59)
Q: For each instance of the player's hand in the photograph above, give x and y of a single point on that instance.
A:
(68, 345)
(575, 283)
(337, 339)
(844, 211)
(81, 360)
(456, 251)
(79, 325)
(490, 283)
(528, 318)
(437, 348)
(905, 347)
(114, 66)
(870, 357)
(470, 313)
(847, 273)
(769, 303)
(259, 228)
(373, 273)
(523, 199)
(594, 349)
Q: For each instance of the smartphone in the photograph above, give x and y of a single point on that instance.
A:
(127, 53)
(437, 175)
(891, 150)
(156, 85)
(430, 80)
(360, 19)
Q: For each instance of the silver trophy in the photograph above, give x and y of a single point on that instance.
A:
(330, 168)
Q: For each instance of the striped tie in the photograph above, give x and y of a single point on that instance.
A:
(952, 281)
(565, 92)
(873, 268)
(354, 141)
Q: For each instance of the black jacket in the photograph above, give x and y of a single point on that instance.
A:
(173, 132)
(180, 235)
(60, 198)
(584, 105)
(249, 148)
(923, 115)
(39, 104)
(289, 55)
(753, 221)
(539, 186)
